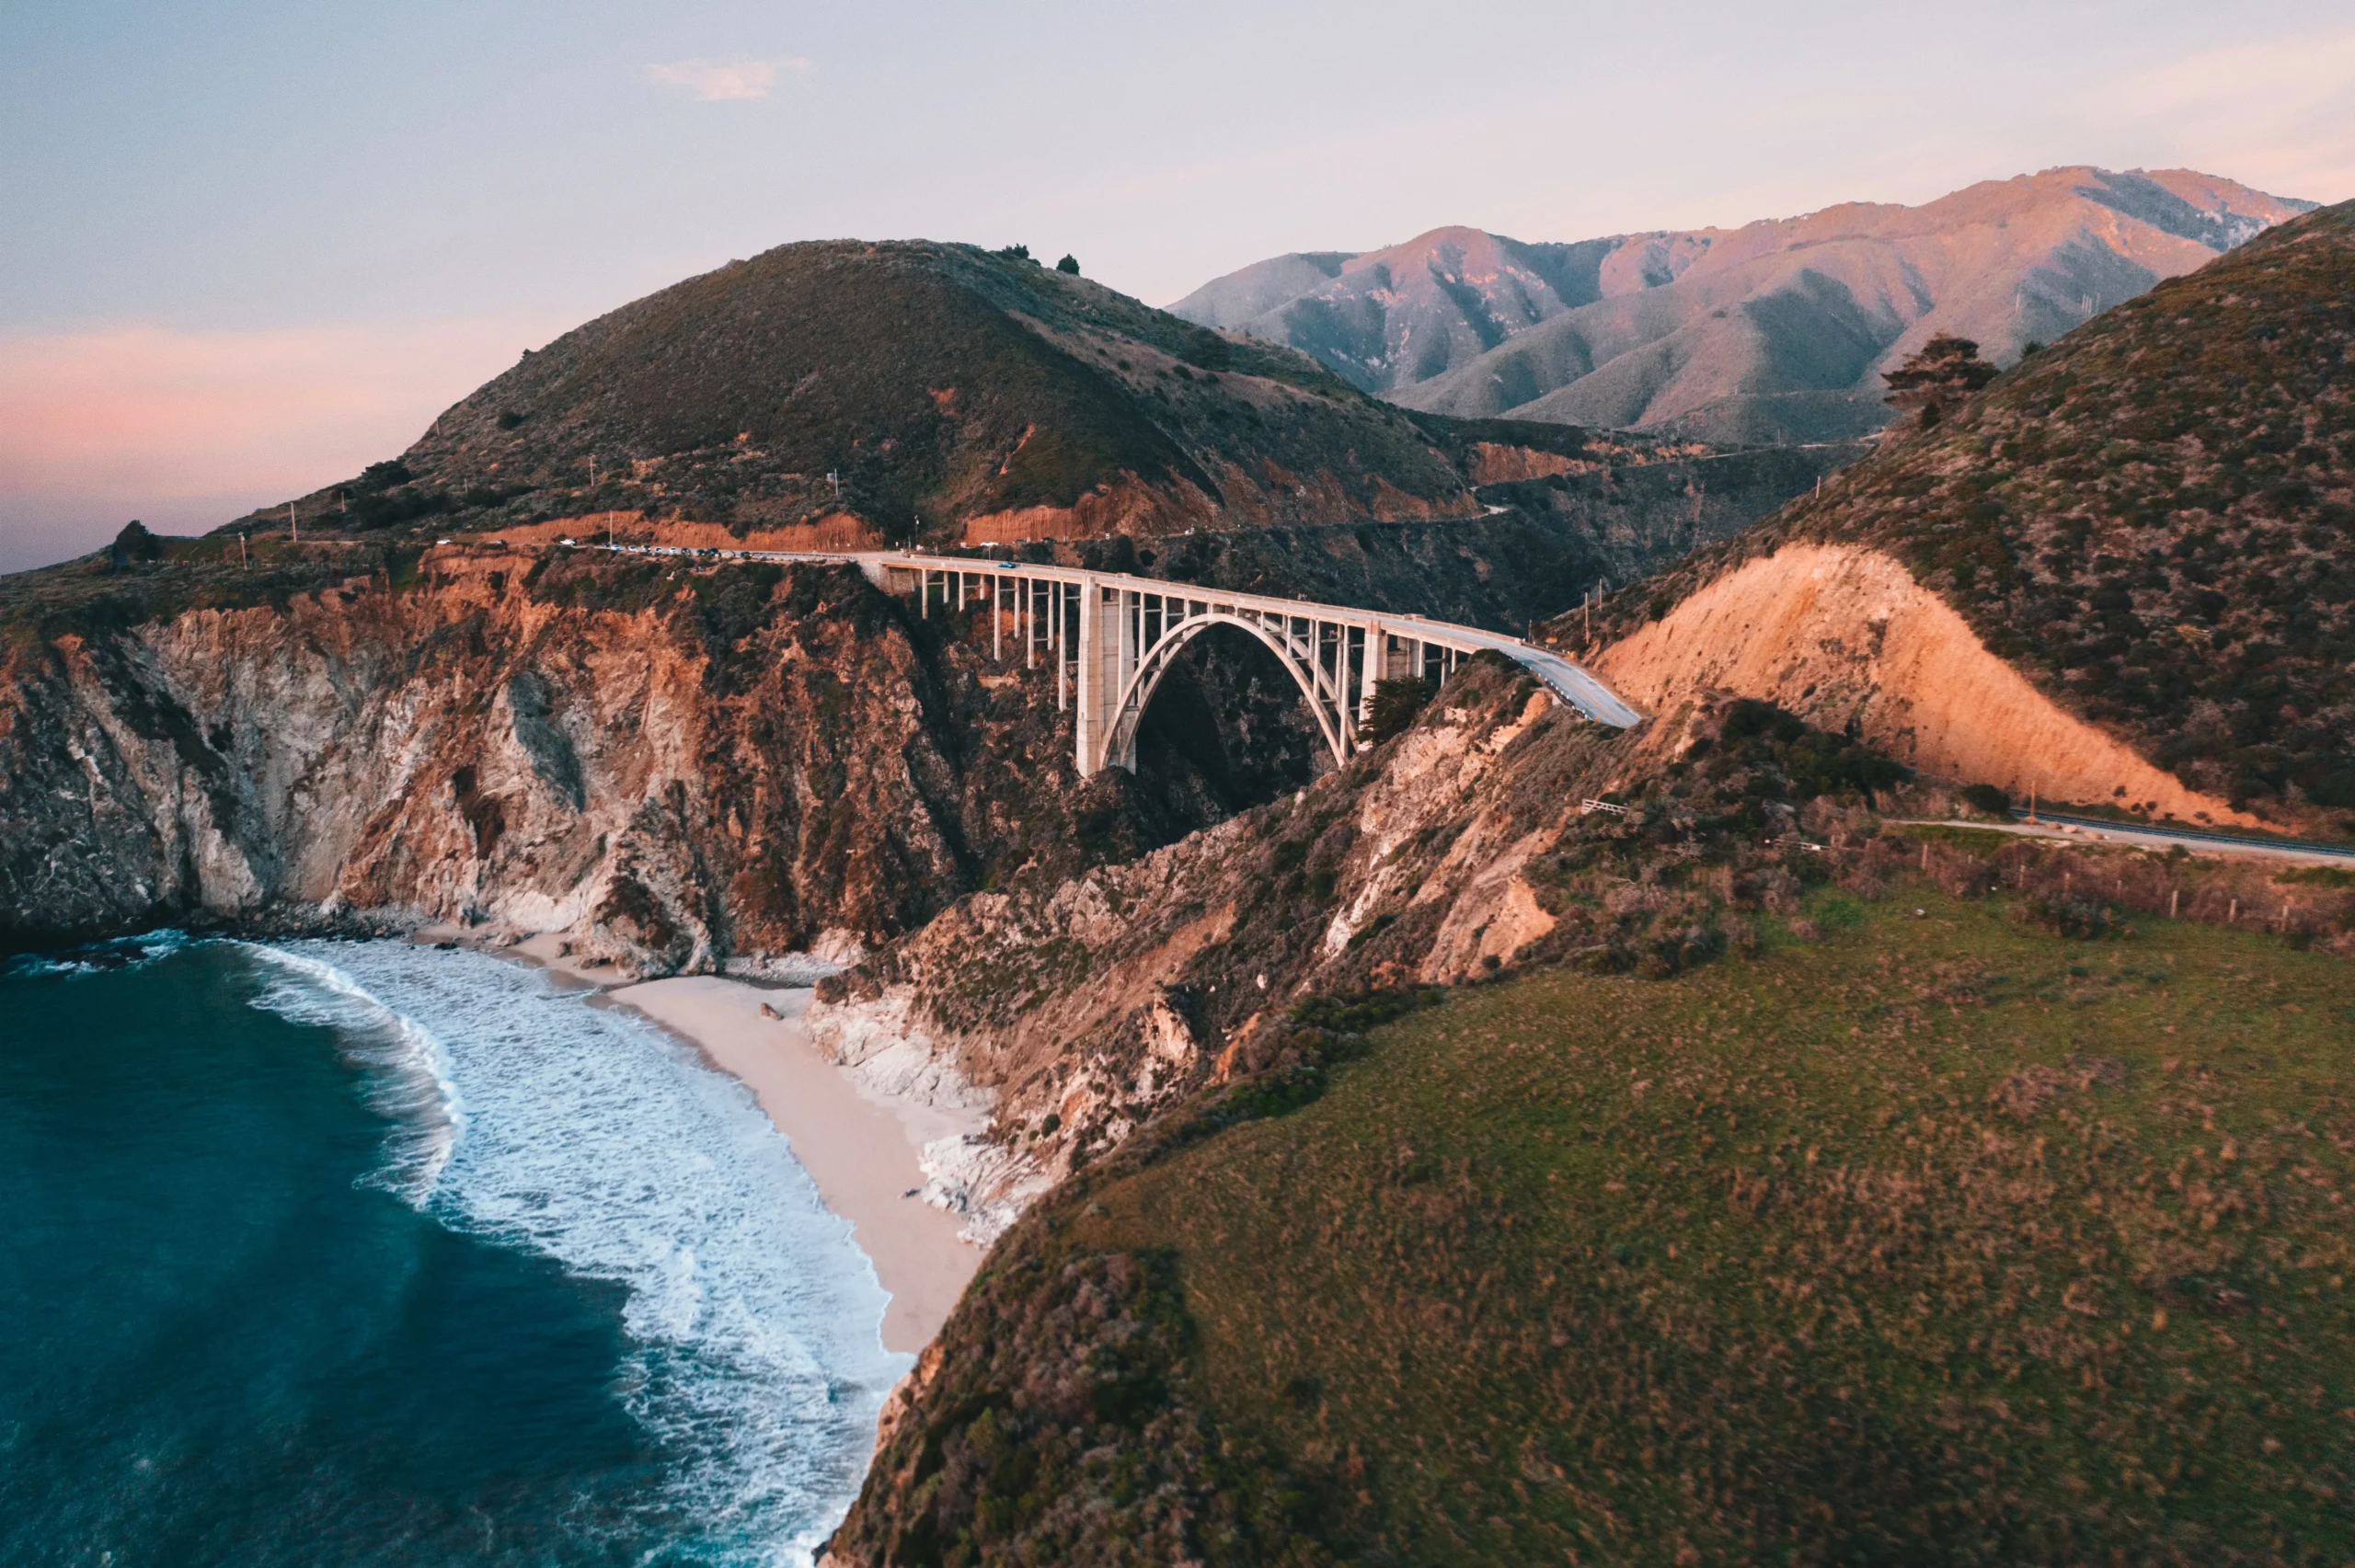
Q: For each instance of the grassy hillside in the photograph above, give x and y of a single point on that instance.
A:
(1916, 1234)
(2154, 519)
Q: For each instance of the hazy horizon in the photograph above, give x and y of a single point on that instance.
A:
(250, 253)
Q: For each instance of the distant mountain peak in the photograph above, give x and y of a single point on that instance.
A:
(1777, 330)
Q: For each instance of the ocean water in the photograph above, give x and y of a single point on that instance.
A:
(330, 1253)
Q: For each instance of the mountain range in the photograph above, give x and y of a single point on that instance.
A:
(1775, 331)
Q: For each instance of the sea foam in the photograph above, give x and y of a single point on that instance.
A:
(524, 1114)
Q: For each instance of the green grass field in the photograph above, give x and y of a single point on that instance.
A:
(1936, 1240)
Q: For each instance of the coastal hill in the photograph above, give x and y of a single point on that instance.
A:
(950, 393)
(2123, 574)
(1775, 331)
(911, 393)
(1425, 1169)
(845, 395)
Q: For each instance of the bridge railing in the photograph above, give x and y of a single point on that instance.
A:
(1112, 637)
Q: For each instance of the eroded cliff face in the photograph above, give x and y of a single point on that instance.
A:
(664, 766)
(1084, 1006)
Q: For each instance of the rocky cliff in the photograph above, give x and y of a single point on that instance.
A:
(1088, 1005)
(668, 766)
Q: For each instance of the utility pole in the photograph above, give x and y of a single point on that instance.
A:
(833, 476)
(294, 523)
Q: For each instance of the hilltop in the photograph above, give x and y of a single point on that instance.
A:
(910, 393)
(929, 392)
(1773, 331)
(2125, 570)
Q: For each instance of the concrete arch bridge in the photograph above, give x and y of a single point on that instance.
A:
(1111, 639)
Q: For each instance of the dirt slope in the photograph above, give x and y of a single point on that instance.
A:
(1844, 635)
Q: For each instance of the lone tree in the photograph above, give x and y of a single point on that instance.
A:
(134, 544)
(1947, 370)
(1068, 264)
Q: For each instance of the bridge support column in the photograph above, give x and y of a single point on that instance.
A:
(1097, 669)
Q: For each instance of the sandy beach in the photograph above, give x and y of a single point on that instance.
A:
(862, 1149)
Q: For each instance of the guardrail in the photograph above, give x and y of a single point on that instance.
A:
(2199, 835)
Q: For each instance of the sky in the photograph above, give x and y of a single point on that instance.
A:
(249, 247)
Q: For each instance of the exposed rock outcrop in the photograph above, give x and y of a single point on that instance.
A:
(668, 766)
(1088, 1005)
(2152, 521)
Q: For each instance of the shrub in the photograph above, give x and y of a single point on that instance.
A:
(1396, 703)
(382, 476)
(134, 543)
(2080, 920)
(1988, 800)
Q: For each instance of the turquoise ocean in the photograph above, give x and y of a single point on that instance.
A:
(326, 1253)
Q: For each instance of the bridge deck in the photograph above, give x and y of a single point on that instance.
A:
(1567, 680)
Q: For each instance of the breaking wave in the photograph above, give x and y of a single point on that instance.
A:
(522, 1114)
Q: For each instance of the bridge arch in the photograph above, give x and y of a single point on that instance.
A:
(1316, 685)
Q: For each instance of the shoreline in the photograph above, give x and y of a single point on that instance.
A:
(863, 1150)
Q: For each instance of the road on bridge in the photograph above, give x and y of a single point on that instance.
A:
(1112, 637)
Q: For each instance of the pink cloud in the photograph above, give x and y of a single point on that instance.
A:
(720, 81)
